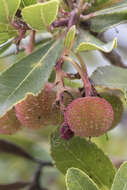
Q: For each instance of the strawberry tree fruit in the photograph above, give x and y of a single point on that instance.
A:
(89, 116)
(39, 111)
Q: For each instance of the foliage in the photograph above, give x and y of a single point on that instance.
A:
(71, 28)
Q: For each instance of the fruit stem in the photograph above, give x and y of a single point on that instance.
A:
(84, 76)
(87, 83)
(59, 82)
(74, 63)
(30, 47)
(81, 61)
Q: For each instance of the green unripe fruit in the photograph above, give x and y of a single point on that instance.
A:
(117, 106)
(9, 123)
(39, 111)
(89, 116)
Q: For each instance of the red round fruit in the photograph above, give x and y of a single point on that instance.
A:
(89, 116)
(39, 111)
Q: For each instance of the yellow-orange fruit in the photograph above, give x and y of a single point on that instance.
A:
(39, 111)
(9, 123)
(89, 116)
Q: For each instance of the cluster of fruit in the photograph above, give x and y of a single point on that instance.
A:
(84, 116)
(36, 111)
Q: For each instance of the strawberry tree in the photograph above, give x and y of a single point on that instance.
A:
(35, 91)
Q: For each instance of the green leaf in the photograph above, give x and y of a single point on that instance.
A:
(110, 17)
(116, 98)
(7, 28)
(28, 75)
(6, 32)
(85, 155)
(95, 5)
(92, 43)
(111, 77)
(101, 4)
(4, 47)
(120, 180)
(25, 3)
(125, 187)
(41, 15)
(3, 37)
(69, 40)
(78, 180)
(8, 9)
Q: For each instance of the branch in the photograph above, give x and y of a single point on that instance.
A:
(11, 148)
(14, 186)
(35, 184)
(72, 76)
(60, 23)
(73, 18)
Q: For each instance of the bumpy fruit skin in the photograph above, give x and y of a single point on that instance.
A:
(39, 111)
(29, 112)
(9, 123)
(50, 112)
(117, 106)
(89, 116)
